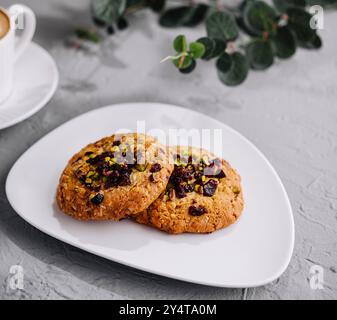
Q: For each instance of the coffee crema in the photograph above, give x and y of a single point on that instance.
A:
(4, 24)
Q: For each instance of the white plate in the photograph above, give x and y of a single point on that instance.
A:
(252, 252)
(36, 79)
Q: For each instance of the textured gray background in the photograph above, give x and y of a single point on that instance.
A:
(289, 112)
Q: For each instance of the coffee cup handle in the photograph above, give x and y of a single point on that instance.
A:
(28, 24)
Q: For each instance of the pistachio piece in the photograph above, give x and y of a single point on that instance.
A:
(198, 188)
(90, 173)
(236, 190)
(184, 153)
(114, 149)
(140, 167)
(205, 160)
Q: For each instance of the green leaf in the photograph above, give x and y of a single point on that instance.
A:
(183, 62)
(190, 68)
(175, 17)
(260, 54)
(222, 26)
(220, 47)
(107, 11)
(197, 49)
(259, 17)
(179, 43)
(209, 45)
(213, 47)
(283, 5)
(236, 73)
(224, 63)
(315, 43)
(88, 35)
(198, 15)
(284, 43)
(244, 28)
(299, 22)
(156, 5)
(188, 16)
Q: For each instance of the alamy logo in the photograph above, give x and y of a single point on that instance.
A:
(16, 277)
(18, 18)
(317, 20)
(316, 277)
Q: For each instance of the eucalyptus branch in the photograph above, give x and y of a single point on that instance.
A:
(269, 31)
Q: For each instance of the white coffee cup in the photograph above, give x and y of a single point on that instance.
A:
(13, 46)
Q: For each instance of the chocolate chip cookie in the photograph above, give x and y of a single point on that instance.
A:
(115, 177)
(203, 194)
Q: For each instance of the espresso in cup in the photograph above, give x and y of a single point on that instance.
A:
(12, 45)
(4, 24)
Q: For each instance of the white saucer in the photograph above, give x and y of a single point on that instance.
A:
(36, 79)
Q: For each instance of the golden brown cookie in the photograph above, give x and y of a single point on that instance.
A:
(115, 177)
(204, 194)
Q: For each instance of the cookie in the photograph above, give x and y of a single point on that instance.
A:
(115, 177)
(204, 194)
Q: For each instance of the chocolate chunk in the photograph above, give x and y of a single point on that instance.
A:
(124, 180)
(103, 167)
(180, 192)
(120, 176)
(155, 167)
(97, 199)
(197, 211)
(198, 175)
(188, 187)
(214, 170)
(183, 174)
(221, 175)
(116, 143)
(113, 179)
(210, 188)
(217, 162)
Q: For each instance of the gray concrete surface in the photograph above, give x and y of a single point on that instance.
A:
(289, 112)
